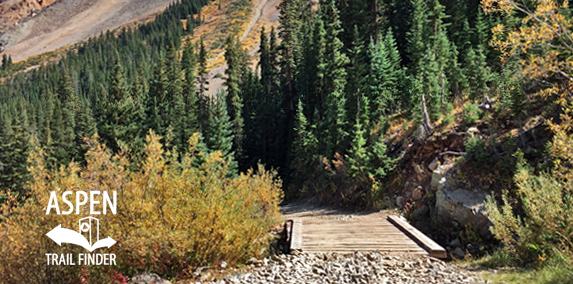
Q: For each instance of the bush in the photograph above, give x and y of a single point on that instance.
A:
(476, 148)
(546, 221)
(471, 113)
(541, 227)
(172, 215)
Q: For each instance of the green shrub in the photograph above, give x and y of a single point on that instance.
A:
(546, 220)
(476, 149)
(471, 113)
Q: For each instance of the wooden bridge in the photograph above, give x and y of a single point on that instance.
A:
(329, 231)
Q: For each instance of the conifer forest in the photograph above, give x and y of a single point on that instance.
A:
(328, 108)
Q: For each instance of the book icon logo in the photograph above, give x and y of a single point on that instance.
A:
(86, 237)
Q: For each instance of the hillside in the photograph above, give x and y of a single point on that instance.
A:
(12, 11)
(204, 120)
(68, 22)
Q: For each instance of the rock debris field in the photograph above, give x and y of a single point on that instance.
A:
(371, 267)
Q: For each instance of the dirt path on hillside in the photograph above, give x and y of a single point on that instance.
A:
(68, 22)
(265, 12)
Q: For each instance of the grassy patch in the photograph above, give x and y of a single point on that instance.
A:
(504, 267)
(547, 275)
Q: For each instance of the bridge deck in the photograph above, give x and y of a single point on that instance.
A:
(350, 233)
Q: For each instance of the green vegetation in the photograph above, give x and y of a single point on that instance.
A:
(321, 106)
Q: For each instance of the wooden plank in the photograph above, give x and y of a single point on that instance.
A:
(432, 247)
(296, 237)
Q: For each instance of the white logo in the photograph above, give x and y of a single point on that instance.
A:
(86, 237)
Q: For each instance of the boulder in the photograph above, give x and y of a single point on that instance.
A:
(400, 201)
(145, 278)
(434, 165)
(438, 178)
(418, 193)
(458, 253)
(466, 207)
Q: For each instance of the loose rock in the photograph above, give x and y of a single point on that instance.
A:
(372, 267)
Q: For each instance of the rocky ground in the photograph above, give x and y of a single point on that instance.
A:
(353, 268)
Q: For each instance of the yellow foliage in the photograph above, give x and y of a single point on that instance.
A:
(543, 43)
(172, 214)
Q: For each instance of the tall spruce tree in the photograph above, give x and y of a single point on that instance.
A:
(191, 99)
(235, 57)
(220, 129)
(289, 31)
(336, 123)
(304, 153)
(14, 149)
(69, 102)
(116, 125)
(203, 85)
(356, 74)
(174, 110)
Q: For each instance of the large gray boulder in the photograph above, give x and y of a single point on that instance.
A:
(466, 207)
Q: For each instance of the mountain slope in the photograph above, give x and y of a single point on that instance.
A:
(67, 22)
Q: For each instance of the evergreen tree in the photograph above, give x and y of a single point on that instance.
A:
(14, 149)
(116, 125)
(189, 64)
(203, 84)
(69, 102)
(156, 98)
(289, 32)
(220, 129)
(476, 73)
(304, 149)
(358, 156)
(416, 36)
(85, 128)
(356, 74)
(174, 109)
(4, 62)
(235, 57)
(317, 66)
(458, 80)
(336, 128)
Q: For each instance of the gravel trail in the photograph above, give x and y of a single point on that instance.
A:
(351, 268)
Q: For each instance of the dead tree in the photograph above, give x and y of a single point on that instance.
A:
(426, 118)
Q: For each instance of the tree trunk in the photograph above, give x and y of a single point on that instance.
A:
(426, 118)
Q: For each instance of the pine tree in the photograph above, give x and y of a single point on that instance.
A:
(203, 84)
(358, 156)
(4, 62)
(441, 48)
(14, 149)
(482, 32)
(265, 62)
(289, 32)
(394, 73)
(85, 128)
(174, 107)
(220, 129)
(304, 149)
(458, 80)
(155, 100)
(380, 163)
(334, 82)
(356, 74)
(235, 57)
(189, 65)
(416, 35)
(476, 73)
(317, 66)
(69, 102)
(117, 124)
